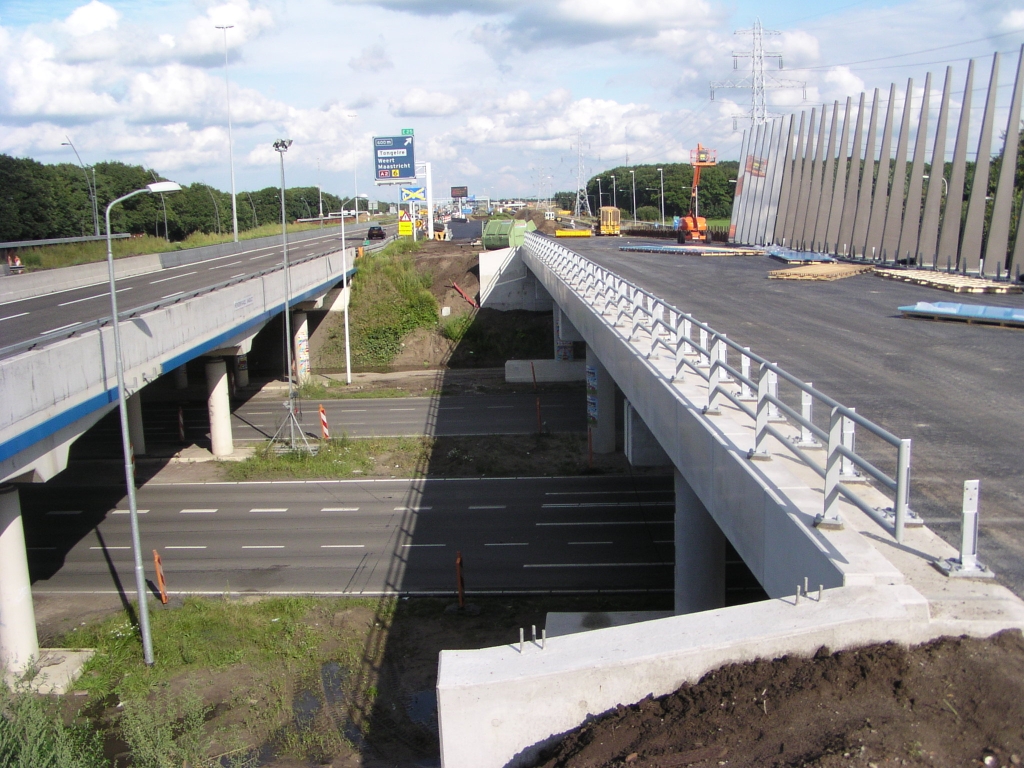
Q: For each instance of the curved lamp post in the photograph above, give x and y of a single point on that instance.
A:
(158, 187)
(90, 186)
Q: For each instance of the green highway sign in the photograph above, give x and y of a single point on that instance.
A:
(407, 132)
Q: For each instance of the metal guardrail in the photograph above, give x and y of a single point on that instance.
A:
(88, 325)
(657, 328)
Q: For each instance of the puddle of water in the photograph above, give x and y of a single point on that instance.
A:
(305, 705)
(422, 709)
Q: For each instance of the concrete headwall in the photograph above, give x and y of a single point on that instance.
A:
(508, 705)
(53, 393)
(506, 283)
(28, 284)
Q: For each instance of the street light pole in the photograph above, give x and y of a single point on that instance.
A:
(281, 145)
(345, 288)
(600, 196)
(662, 174)
(633, 174)
(126, 446)
(91, 187)
(231, 156)
(615, 199)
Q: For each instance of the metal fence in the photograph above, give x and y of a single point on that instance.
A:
(683, 348)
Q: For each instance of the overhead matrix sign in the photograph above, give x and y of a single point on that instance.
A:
(394, 158)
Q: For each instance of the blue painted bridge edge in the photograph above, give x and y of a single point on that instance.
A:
(54, 424)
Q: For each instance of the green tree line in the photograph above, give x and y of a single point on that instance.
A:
(716, 191)
(39, 201)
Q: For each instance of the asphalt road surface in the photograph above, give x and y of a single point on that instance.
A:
(954, 389)
(38, 316)
(259, 419)
(360, 537)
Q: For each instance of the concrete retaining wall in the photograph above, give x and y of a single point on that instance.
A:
(498, 707)
(506, 283)
(524, 371)
(60, 388)
(30, 284)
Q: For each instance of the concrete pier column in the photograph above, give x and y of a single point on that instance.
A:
(135, 433)
(241, 371)
(600, 404)
(181, 377)
(19, 645)
(300, 347)
(219, 407)
(700, 554)
(565, 334)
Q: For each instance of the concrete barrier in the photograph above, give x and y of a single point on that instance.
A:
(526, 371)
(28, 284)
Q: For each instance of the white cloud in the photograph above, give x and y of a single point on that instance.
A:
(373, 58)
(418, 102)
(91, 18)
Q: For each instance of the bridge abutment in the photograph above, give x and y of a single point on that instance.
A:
(300, 347)
(700, 553)
(19, 645)
(221, 442)
(181, 377)
(241, 371)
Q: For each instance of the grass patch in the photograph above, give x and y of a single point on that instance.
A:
(339, 457)
(390, 298)
(33, 733)
(455, 327)
(69, 254)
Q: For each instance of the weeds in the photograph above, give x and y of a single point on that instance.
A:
(32, 735)
(342, 457)
(166, 732)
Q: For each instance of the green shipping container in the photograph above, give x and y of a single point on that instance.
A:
(505, 233)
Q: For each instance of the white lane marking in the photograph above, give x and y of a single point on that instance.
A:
(600, 493)
(340, 509)
(240, 274)
(353, 410)
(198, 511)
(109, 547)
(231, 264)
(172, 295)
(595, 565)
(410, 509)
(269, 509)
(408, 546)
(342, 546)
(63, 327)
(173, 277)
(89, 298)
(65, 512)
(128, 511)
(401, 409)
(261, 413)
(575, 543)
(488, 506)
(263, 546)
(509, 544)
(20, 314)
(617, 522)
(594, 504)
(183, 546)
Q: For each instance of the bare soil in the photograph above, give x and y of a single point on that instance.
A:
(951, 702)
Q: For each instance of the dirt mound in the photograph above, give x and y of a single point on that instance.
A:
(537, 217)
(951, 702)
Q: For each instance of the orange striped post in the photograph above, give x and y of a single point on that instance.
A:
(160, 583)
(324, 429)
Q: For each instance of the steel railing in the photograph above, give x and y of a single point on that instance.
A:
(88, 325)
(750, 382)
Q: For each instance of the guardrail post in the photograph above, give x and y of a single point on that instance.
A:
(829, 517)
(687, 337)
(723, 357)
(773, 390)
(967, 565)
(704, 361)
(760, 449)
(745, 392)
(849, 469)
(807, 411)
(715, 377)
(902, 487)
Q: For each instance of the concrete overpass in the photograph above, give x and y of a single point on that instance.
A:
(813, 495)
(57, 374)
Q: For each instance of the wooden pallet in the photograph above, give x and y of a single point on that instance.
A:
(820, 272)
(947, 281)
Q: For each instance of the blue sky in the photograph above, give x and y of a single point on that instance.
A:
(497, 92)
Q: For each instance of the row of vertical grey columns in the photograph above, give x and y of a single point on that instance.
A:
(833, 198)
